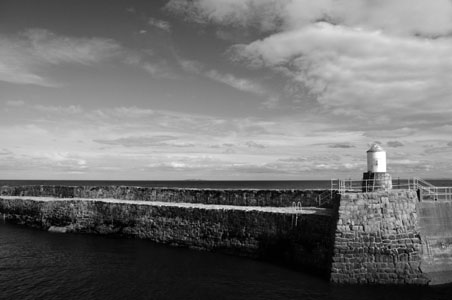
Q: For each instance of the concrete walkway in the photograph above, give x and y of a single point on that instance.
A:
(281, 210)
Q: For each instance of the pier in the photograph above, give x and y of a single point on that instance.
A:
(376, 237)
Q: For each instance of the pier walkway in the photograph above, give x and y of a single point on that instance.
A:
(280, 210)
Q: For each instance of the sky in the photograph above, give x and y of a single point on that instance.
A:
(224, 89)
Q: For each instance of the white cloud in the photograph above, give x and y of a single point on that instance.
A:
(237, 83)
(263, 13)
(21, 75)
(402, 16)
(52, 48)
(22, 57)
(252, 144)
(373, 62)
(122, 112)
(60, 110)
(241, 84)
(361, 73)
(137, 141)
(65, 161)
(182, 145)
(146, 60)
(160, 24)
(4, 151)
(15, 103)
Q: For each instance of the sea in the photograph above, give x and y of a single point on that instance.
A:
(208, 184)
(36, 264)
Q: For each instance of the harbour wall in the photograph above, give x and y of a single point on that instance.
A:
(368, 238)
(301, 239)
(238, 197)
(435, 226)
(377, 239)
(392, 238)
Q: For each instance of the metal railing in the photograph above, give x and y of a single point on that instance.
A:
(298, 209)
(424, 189)
(366, 185)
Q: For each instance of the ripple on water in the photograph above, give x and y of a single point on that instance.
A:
(40, 265)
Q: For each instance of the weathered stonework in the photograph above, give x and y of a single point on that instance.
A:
(385, 237)
(377, 239)
(435, 226)
(248, 197)
(299, 239)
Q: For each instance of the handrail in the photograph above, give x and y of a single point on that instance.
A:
(325, 197)
(425, 188)
(424, 182)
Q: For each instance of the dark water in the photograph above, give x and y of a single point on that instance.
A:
(40, 265)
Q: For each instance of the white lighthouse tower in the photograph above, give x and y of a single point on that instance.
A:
(376, 178)
(376, 159)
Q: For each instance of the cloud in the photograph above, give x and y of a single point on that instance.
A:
(229, 151)
(189, 163)
(178, 144)
(271, 103)
(41, 110)
(121, 112)
(341, 145)
(55, 49)
(65, 161)
(293, 159)
(4, 151)
(138, 141)
(131, 10)
(160, 24)
(436, 150)
(361, 74)
(394, 144)
(252, 144)
(240, 84)
(157, 68)
(382, 64)
(15, 103)
(22, 57)
(60, 110)
(262, 13)
(21, 75)
(403, 16)
(55, 162)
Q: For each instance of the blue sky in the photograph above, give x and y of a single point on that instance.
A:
(237, 89)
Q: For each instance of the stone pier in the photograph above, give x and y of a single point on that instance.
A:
(382, 237)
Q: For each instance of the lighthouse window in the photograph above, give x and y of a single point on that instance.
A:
(376, 162)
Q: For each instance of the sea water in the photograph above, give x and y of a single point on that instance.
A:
(41, 265)
(211, 184)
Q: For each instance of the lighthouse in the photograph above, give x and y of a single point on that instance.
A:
(376, 178)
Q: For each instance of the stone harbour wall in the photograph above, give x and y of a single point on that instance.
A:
(435, 225)
(248, 197)
(377, 239)
(299, 240)
(366, 238)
